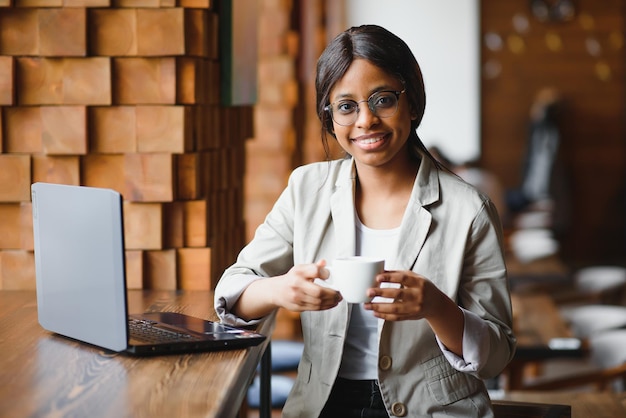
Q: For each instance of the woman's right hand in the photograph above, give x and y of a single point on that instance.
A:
(297, 291)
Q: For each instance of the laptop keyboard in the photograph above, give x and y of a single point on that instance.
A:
(149, 331)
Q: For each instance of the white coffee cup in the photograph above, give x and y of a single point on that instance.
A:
(352, 276)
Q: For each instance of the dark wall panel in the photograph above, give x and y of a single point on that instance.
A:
(583, 58)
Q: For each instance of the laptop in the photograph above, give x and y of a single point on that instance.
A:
(81, 281)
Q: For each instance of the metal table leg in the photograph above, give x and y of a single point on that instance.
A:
(265, 403)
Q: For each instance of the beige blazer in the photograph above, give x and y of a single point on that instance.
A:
(450, 233)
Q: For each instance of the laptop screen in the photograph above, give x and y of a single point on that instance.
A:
(79, 263)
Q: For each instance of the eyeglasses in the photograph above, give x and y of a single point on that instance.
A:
(382, 104)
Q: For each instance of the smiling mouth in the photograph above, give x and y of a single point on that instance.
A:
(372, 140)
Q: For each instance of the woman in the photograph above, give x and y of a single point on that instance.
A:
(444, 321)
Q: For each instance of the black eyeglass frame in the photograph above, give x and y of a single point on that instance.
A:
(372, 108)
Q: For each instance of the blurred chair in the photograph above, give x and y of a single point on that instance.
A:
(587, 320)
(595, 284)
(533, 243)
(608, 350)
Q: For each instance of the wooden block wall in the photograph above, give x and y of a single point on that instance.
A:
(123, 94)
(270, 156)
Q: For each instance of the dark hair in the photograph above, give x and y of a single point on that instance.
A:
(383, 49)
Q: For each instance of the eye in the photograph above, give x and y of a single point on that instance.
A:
(384, 100)
(346, 107)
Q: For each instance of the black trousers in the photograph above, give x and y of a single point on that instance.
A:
(355, 398)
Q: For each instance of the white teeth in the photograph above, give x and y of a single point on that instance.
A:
(370, 140)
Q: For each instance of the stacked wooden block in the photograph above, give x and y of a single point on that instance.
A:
(123, 94)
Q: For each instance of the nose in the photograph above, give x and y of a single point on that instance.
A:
(364, 115)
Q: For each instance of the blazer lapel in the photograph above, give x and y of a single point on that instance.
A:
(342, 211)
(417, 219)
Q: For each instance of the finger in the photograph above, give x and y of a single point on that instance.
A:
(332, 300)
(394, 277)
(320, 304)
(394, 311)
(396, 317)
(322, 271)
(395, 293)
(390, 311)
(307, 271)
(314, 270)
(402, 278)
(315, 296)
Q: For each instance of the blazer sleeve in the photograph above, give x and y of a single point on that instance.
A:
(484, 288)
(269, 253)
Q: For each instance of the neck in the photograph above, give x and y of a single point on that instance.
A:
(390, 179)
(382, 195)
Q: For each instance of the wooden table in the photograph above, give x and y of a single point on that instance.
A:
(46, 375)
(537, 322)
(584, 405)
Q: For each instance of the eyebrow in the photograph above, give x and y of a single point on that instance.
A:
(384, 87)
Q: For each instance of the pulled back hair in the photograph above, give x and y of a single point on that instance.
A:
(386, 51)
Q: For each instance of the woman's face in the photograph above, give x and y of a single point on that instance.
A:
(372, 140)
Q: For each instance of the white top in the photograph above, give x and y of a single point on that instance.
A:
(360, 355)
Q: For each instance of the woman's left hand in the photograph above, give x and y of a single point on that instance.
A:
(416, 297)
